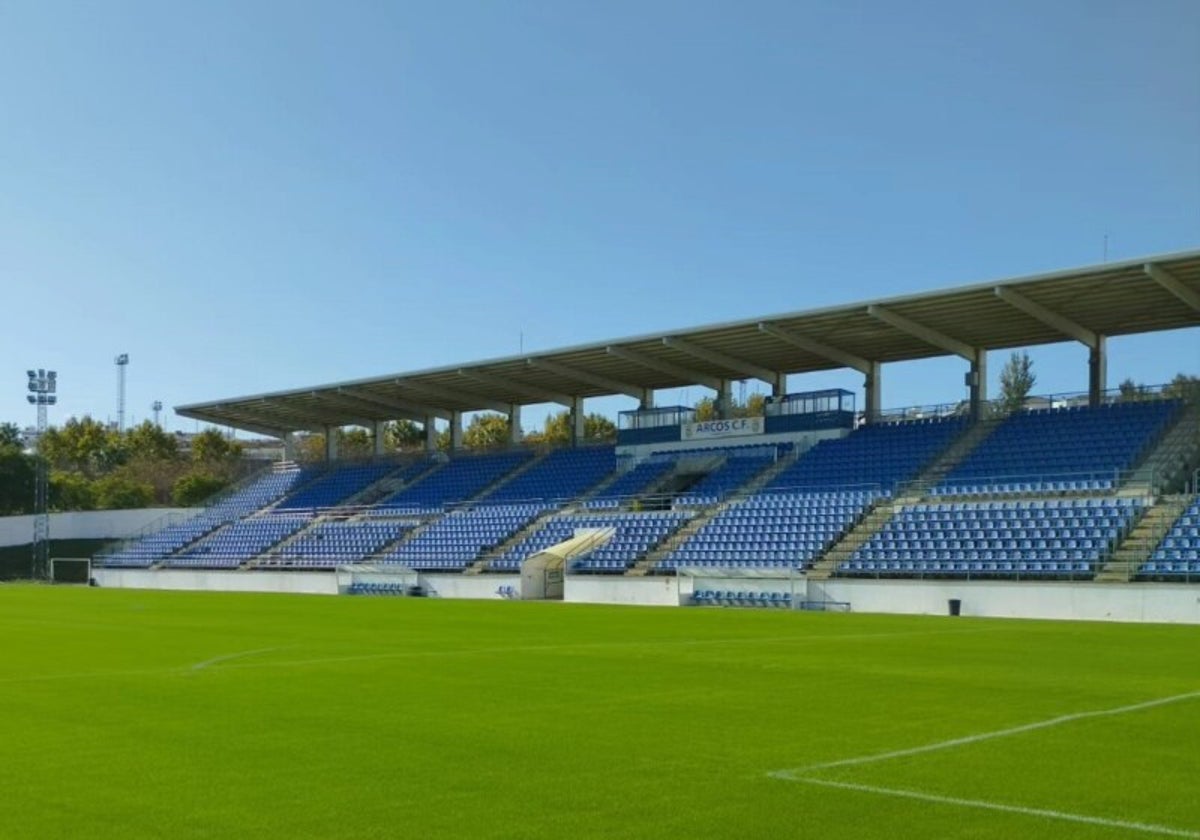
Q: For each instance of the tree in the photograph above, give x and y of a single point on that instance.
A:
(11, 437)
(597, 427)
(83, 445)
(212, 447)
(150, 442)
(1016, 381)
(192, 489)
(71, 491)
(706, 409)
(403, 435)
(556, 430)
(355, 443)
(755, 406)
(1130, 391)
(116, 492)
(1183, 387)
(486, 431)
(16, 481)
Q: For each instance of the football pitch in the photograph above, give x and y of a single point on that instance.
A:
(129, 714)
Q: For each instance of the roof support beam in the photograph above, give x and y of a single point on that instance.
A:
(1172, 284)
(342, 404)
(258, 429)
(817, 348)
(587, 378)
(405, 409)
(927, 334)
(531, 392)
(1048, 317)
(691, 376)
(474, 401)
(723, 360)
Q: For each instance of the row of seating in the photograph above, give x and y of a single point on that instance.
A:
(1078, 449)
(260, 492)
(730, 598)
(1178, 554)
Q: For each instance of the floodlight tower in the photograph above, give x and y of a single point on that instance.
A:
(122, 363)
(156, 407)
(43, 392)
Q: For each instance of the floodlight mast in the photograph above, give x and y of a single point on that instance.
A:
(43, 392)
(156, 407)
(122, 362)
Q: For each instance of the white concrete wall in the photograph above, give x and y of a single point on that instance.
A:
(86, 525)
(605, 589)
(467, 586)
(305, 583)
(1152, 602)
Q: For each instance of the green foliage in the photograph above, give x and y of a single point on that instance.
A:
(1183, 387)
(755, 405)
(71, 491)
(486, 431)
(17, 475)
(1130, 391)
(11, 437)
(84, 445)
(556, 430)
(150, 442)
(212, 447)
(1016, 382)
(404, 435)
(664, 723)
(192, 489)
(355, 443)
(117, 492)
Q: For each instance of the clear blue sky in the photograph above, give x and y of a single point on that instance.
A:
(250, 196)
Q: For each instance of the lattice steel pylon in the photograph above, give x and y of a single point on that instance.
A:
(43, 392)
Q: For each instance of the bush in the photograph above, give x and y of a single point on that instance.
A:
(115, 492)
(195, 487)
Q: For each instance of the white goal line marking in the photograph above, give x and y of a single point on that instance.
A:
(803, 774)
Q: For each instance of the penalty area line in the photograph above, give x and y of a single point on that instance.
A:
(987, 736)
(1145, 828)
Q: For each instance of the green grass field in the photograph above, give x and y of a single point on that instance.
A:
(131, 714)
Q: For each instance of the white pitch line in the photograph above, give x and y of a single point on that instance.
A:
(1146, 828)
(488, 651)
(200, 666)
(796, 772)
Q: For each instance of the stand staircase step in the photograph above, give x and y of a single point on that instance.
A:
(484, 560)
(707, 513)
(1137, 546)
(1169, 462)
(853, 539)
(950, 457)
(386, 486)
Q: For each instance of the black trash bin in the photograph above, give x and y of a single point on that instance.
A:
(955, 606)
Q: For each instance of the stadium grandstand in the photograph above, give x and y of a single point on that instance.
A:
(818, 501)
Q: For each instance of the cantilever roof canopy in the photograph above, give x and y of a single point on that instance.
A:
(1138, 296)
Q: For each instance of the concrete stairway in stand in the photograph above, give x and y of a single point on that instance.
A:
(1170, 462)
(1143, 538)
(707, 513)
(853, 539)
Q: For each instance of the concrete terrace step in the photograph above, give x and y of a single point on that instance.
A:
(1137, 546)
